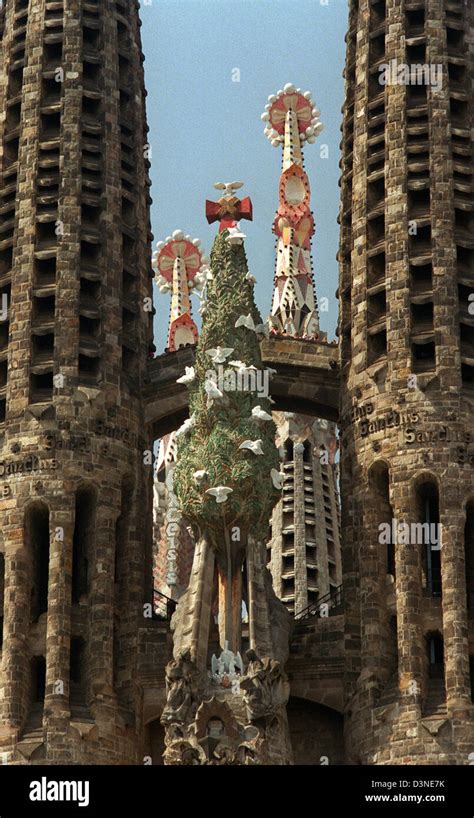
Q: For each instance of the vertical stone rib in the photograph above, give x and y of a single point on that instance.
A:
(396, 235)
(58, 632)
(301, 588)
(448, 362)
(24, 248)
(359, 194)
(69, 208)
(14, 670)
(259, 622)
(454, 605)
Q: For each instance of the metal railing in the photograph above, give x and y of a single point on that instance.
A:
(334, 599)
(163, 606)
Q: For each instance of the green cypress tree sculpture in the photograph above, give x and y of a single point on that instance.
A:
(208, 454)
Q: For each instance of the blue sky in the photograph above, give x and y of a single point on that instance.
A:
(205, 127)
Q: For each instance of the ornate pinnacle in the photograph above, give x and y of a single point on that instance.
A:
(228, 209)
(292, 119)
(180, 266)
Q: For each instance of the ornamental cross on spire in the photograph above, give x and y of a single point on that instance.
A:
(228, 209)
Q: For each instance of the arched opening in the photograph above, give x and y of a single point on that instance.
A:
(380, 485)
(435, 656)
(393, 647)
(121, 564)
(429, 535)
(84, 527)
(316, 733)
(122, 527)
(37, 541)
(288, 455)
(306, 451)
(2, 596)
(37, 692)
(155, 742)
(77, 674)
(435, 699)
(469, 554)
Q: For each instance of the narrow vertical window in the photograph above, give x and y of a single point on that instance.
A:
(37, 539)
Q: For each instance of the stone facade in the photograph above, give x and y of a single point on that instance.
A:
(407, 368)
(82, 676)
(75, 266)
(173, 541)
(304, 550)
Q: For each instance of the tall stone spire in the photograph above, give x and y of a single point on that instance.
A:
(291, 119)
(180, 266)
(227, 481)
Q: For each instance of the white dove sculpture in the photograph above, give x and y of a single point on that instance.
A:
(259, 414)
(219, 354)
(277, 478)
(213, 392)
(186, 427)
(245, 321)
(228, 187)
(189, 375)
(220, 493)
(238, 364)
(263, 329)
(254, 446)
(200, 475)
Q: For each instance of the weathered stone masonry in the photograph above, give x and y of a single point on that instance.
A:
(75, 262)
(407, 269)
(82, 670)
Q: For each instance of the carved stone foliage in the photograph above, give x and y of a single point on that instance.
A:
(232, 728)
(266, 687)
(183, 683)
(214, 737)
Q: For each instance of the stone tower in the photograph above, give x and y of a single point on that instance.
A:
(75, 269)
(222, 706)
(181, 267)
(304, 550)
(407, 365)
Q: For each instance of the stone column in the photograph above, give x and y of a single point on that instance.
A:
(454, 605)
(442, 203)
(69, 211)
(372, 587)
(259, 619)
(101, 595)
(396, 209)
(15, 665)
(320, 523)
(191, 622)
(301, 583)
(200, 600)
(58, 630)
(408, 597)
(24, 247)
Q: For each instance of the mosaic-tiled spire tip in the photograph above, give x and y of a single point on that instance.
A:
(180, 266)
(291, 119)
